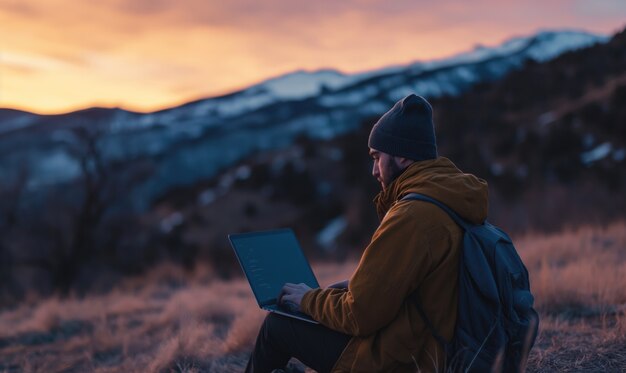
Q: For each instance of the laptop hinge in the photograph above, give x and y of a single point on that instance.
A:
(267, 302)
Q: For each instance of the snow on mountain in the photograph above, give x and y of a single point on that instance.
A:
(300, 85)
(195, 140)
(303, 84)
(453, 75)
(297, 85)
(479, 53)
(550, 44)
(542, 47)
(330, 85)
(596, 153)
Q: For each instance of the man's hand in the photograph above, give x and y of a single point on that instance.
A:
(291, 294)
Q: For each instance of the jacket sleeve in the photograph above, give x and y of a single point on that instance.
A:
(392, 265)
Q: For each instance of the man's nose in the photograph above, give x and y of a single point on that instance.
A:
(375, 171)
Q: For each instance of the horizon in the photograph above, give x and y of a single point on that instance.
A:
(148, 57)
(262, 80)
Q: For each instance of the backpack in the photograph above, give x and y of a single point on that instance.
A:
(496, 324)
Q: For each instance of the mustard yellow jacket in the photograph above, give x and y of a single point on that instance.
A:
(416, 246)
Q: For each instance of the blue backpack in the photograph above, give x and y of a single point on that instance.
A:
(496, 324)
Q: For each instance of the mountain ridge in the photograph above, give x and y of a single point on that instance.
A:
(462, 57)
(548, 137)
(217, 132)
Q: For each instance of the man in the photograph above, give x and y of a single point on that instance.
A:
(370, 323)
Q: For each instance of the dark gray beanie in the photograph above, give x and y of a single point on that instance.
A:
(407, 130)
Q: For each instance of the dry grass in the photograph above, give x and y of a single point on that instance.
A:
(583, 271)
(579, 281)
(168, 320)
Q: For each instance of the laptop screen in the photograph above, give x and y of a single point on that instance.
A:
(269, 260)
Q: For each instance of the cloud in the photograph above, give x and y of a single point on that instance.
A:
(20, 8)
(292, 15)
(601, 8)
(31, 63)
(143, 7)
(18, 69)
(146, 53)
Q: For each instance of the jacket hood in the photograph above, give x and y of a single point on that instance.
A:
(440, 179)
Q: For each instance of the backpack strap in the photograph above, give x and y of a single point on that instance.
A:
(415, 296)
(418, 305)
(421, 197)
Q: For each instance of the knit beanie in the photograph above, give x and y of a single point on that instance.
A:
(407, 130)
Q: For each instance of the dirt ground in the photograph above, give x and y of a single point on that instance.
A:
(172, 321)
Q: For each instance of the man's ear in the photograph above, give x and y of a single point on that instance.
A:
(404, 162)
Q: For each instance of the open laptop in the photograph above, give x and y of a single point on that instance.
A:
(270, 259)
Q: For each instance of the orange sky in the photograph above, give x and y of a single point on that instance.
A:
(144, 55)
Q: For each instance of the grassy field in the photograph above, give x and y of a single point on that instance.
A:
(169, 320)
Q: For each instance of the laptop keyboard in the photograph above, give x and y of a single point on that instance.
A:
(287, 309)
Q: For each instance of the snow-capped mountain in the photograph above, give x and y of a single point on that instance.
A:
(301, 85)
(194, 141)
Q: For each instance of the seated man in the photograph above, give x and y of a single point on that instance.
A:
(369, 323)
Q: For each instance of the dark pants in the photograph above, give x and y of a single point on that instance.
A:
(282, 338)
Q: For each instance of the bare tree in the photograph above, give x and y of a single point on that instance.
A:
(11, 193)
(85, 219)
(100, 189)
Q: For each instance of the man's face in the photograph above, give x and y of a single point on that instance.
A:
(386, 167)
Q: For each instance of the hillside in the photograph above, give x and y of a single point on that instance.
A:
(555, 133)
(553, 149)
(174, 321)
(92, 196)
(221, 131)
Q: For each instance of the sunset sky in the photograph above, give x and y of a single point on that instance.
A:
(144, 55)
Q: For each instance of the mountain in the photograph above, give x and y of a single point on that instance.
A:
(549, 139)
(193, 141)
(106, 192)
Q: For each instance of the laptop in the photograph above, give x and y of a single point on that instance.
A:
(270, 259)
